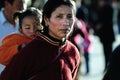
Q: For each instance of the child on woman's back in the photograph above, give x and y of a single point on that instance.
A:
(30, 24)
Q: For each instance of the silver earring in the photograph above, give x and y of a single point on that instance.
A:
(46, 24)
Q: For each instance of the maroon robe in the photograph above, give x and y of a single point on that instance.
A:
(44, 59)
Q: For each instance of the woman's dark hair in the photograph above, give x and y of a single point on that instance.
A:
(32, 11)
(50, 6)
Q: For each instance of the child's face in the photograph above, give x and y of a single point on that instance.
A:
(28, 26)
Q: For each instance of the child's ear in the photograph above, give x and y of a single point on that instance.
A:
(20, 30)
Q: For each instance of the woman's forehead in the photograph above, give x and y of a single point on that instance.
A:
(63, 9)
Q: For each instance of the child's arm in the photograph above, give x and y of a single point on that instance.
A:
(10, 45)
(7, 50)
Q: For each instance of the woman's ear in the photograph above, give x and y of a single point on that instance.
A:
(46, 21)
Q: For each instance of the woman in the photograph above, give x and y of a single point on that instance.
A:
(13, 42)
(50, 56)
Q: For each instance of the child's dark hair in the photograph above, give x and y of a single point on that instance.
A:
(32, 11)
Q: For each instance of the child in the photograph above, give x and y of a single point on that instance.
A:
(30, 23)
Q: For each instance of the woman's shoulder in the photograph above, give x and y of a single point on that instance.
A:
(72, 51)
(71, 47)
(70, 44)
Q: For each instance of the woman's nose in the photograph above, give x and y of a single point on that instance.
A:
(66, 22)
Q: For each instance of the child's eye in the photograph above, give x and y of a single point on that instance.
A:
(27, 27)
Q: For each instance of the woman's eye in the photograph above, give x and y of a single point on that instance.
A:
(69, 16)
(59, 16)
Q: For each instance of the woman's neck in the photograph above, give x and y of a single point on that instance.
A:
(62, 41)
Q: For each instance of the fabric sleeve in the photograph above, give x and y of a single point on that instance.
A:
(6, 53)
(8, 49)
(14, 70)
(25, 63)
(76, 72)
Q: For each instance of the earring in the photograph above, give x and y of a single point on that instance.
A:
(46, 24)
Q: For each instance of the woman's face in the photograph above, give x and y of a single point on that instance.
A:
(28, 26)
(61, 22)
